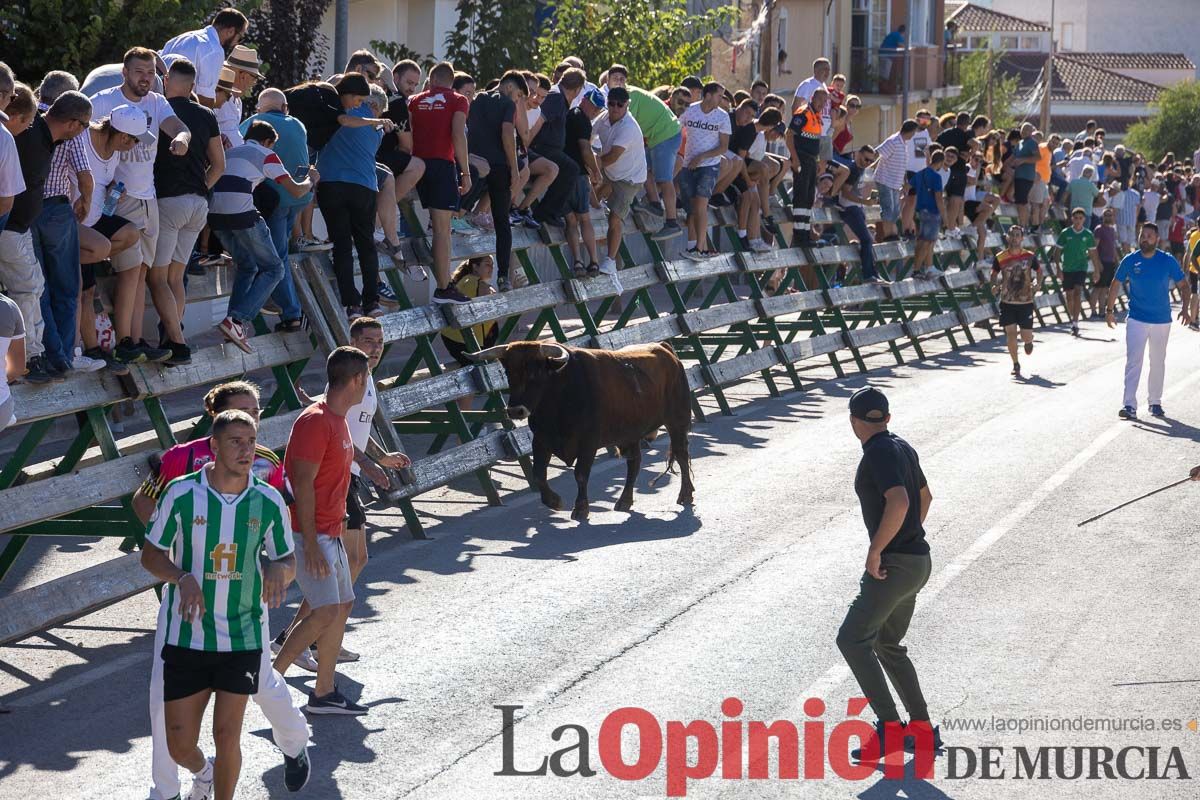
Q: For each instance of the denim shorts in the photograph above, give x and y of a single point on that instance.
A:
(661, 158)
(929, 224)
(698, 182)
(580, 200)
(889, 203)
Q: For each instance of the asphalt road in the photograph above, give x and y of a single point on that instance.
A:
(1026, 617)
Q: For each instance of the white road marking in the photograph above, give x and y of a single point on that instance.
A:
(839, 672)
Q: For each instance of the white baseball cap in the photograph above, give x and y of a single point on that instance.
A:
(134, 121)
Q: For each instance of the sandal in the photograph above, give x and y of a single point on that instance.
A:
(593, 269)
(289, 326)
(577, 269)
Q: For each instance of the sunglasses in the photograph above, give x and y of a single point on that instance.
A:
(615, 104)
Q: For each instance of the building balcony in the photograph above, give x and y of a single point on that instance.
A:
(933, 71)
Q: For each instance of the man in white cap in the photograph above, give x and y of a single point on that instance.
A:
(138, 204)
(206, 49)
(243, 61)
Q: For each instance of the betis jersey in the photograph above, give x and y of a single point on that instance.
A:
(218, 541)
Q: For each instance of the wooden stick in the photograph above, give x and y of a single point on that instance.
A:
(1134, 500)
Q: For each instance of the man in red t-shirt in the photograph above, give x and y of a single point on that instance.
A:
(438, 117)
(317, 462)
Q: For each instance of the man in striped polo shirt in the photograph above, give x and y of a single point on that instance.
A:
(244, 231)
(204, 541)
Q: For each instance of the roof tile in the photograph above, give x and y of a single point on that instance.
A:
(971, 17)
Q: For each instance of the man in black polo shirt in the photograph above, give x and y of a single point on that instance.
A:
(491, 134)
(20, 272)
(181, 184)
(895, 499)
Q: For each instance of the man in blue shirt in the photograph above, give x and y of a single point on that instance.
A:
(1149, 273)
(926, 195)
(1025, 159)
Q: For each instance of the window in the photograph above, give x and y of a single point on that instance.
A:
(1066, 38)
(1031, 43)
(978, 42)
(1008, 42)
(920, 27)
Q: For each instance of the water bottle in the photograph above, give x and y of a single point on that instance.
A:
(110, 200)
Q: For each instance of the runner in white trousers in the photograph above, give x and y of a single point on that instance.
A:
(289, 728)
(1149, 273)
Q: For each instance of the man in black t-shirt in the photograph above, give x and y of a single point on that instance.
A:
(491, 135)
(578, 135)
(959, 136)
(550, 143)
(182, 184)
(395, 150)
(895, 499)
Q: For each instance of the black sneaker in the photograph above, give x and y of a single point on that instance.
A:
(877, 745)
(334, 703)
(1016, 370)
(503, 284)
(180, 354)
(296, 771)
(913, 729)
(669, 230)
(126, 352)
(155, 355)
(1157, 411)
(449, 295)
(744, 241)
(1127, 412)
(40, 372)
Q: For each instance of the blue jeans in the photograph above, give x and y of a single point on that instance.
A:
(280, 225)
(856, 220)
(259, 269)
(56, 242)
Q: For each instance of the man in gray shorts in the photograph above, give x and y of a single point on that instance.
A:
(12, 337)
(317, 462)
(622, 160)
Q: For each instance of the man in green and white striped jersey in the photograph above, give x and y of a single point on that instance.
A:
(204, 541)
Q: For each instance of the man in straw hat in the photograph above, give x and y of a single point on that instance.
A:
(244, 63)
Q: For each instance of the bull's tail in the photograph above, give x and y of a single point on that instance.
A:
(669, 468)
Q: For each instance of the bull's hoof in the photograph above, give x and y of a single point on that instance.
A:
(685, 499)
(552, 501)
(624, 504)
(580, 514)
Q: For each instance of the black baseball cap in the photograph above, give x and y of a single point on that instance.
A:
(355, 84)
(869, 405)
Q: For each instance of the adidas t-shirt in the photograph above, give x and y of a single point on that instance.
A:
(218, 541)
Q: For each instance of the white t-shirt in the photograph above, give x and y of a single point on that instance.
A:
(1075, 166)
(969, 193)
(229, 118)
(703, 132)
(758, 150)
(103, 174)
(916, 147)
(137, 165)
(12, 182)
(631, 164)
(1150, 202)
(359, 419)
(805, 92)
(532, 115)
(12, 327)
(203, 49)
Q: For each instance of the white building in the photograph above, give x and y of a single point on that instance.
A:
(422, 25)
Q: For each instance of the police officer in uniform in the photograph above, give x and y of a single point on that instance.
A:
(895, 499)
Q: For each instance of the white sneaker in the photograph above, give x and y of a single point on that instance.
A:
(312, 245)
(608, 266)
(933, 272)
(82, 363)
(759, 246)
(202, 786)
(307, 660)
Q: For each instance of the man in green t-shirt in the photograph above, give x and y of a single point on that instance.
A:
(1077, 247)
(663, 134)
(204, 541)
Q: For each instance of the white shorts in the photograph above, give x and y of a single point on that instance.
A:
(336, 587)
(144, 216)
(1038, 195)
(1125, 234)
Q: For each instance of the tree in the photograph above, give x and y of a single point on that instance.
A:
(984, 84)
(395, 51)
(1173, 125)
(486, 41)
(657, 40)
(287, 34)
(37, 36)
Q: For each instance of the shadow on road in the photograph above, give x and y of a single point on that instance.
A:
(1172, 428)
(909, 786)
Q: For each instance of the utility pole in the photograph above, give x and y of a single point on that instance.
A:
(1049, 82)
(988, 78)
(908, 34)
(766, 47)
(341, 34)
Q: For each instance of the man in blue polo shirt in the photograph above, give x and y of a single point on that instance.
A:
(1149, 273)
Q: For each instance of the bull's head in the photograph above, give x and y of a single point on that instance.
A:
(530, 367)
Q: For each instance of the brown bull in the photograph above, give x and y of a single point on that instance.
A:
(579, 401)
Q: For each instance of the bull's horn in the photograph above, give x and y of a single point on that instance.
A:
(489, 354)
(556, 354)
